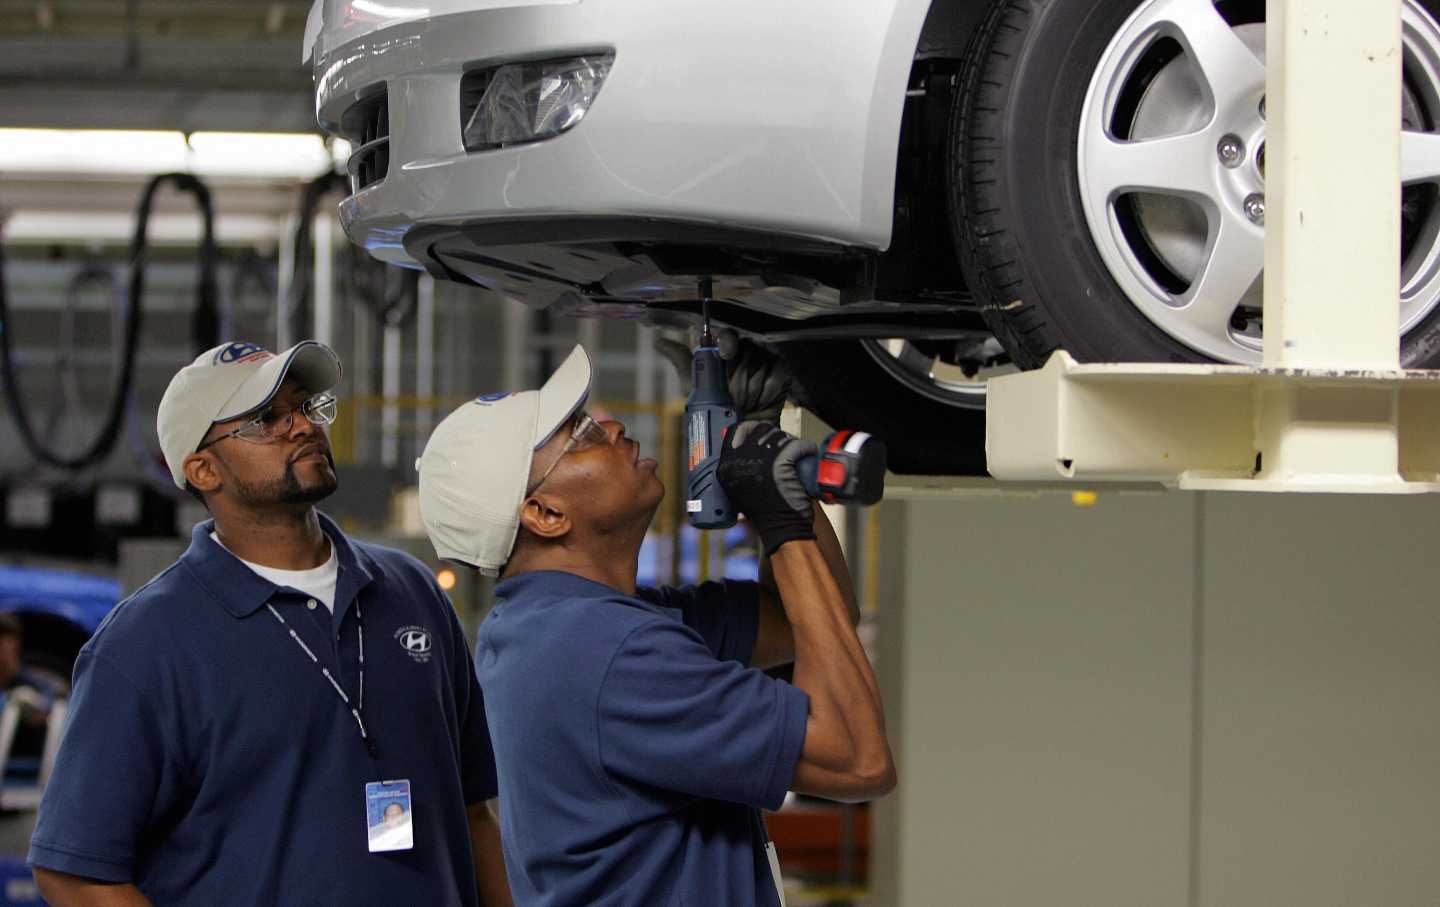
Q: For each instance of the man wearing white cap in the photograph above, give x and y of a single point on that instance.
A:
(241, 722)
(635, 737)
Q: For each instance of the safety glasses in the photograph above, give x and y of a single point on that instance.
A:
(586, 433)
(275, 423)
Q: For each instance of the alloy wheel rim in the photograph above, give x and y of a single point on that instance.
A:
(1171, 158)
(934, 377)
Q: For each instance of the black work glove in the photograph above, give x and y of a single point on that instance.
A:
(759, 382)
(757, 470)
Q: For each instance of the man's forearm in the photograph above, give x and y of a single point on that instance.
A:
(490, 877)
(64, 890)
(834, 556)
(846, 754)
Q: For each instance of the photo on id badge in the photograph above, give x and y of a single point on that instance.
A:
(387, 815)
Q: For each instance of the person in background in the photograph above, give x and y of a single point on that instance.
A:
(14, 672)
(33, 691)
(234, 721)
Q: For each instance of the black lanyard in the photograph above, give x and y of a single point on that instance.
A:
(359, 706)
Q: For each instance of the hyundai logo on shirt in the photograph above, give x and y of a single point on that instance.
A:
(415, 641)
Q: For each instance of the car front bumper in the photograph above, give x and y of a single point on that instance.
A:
(779, 119)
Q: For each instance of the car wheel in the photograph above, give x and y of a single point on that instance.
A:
(1108, 174)
(924, 399)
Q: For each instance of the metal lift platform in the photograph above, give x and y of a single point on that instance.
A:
(1330, 409)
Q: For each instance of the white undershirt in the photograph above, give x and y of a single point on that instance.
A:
(318, 583)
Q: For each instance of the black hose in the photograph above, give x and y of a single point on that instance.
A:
(401, 305)
(388, 292)
(297, 298)
(249, 269)
(205, 327)
(392, 301)
(91, 273)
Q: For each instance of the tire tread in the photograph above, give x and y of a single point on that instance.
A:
(983, 238)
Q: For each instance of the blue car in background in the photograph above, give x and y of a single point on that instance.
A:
(59, 611)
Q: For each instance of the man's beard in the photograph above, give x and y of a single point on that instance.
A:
(287, 489)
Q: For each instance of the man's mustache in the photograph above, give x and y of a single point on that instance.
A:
(315, 448)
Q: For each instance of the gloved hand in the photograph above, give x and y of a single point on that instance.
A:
(757, 470)
(759, 382)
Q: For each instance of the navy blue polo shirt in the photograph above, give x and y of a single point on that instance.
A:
(207, 760)
(632, 744)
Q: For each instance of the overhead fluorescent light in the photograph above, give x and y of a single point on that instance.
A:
(90, 150)
(259, 154)
(104, 152)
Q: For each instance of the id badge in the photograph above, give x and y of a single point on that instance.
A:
(388, 816)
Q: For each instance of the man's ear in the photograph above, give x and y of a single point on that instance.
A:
(541, 518)
(200, 472)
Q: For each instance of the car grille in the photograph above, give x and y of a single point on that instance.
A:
(367, 126)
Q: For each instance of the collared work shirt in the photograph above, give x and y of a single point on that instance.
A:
(208, 760)
(633, 745)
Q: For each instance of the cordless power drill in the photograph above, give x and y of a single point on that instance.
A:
(850, 466)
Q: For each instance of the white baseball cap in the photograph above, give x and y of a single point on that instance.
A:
(476, 465)
(230, 381)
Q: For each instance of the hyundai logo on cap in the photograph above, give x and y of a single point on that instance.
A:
(241, 352)
(486, 399)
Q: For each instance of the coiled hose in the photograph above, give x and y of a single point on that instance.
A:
(205, 328)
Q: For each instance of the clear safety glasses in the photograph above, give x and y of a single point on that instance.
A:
(275, 423)
(586, 433)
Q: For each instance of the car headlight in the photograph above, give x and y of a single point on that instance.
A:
(527, 102)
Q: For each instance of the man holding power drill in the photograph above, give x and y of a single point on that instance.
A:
(635, 736)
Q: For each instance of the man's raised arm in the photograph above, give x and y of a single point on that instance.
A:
(846, 754)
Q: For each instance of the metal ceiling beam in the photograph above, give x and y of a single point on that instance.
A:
(154, 64)
(185, 84)
(91, 60)
(185, 17)
(34, 105)
(184, 80)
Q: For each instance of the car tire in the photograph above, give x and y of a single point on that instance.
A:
(844, 383)
(1022, 234)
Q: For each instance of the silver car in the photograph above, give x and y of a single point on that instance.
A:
(903, 196)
